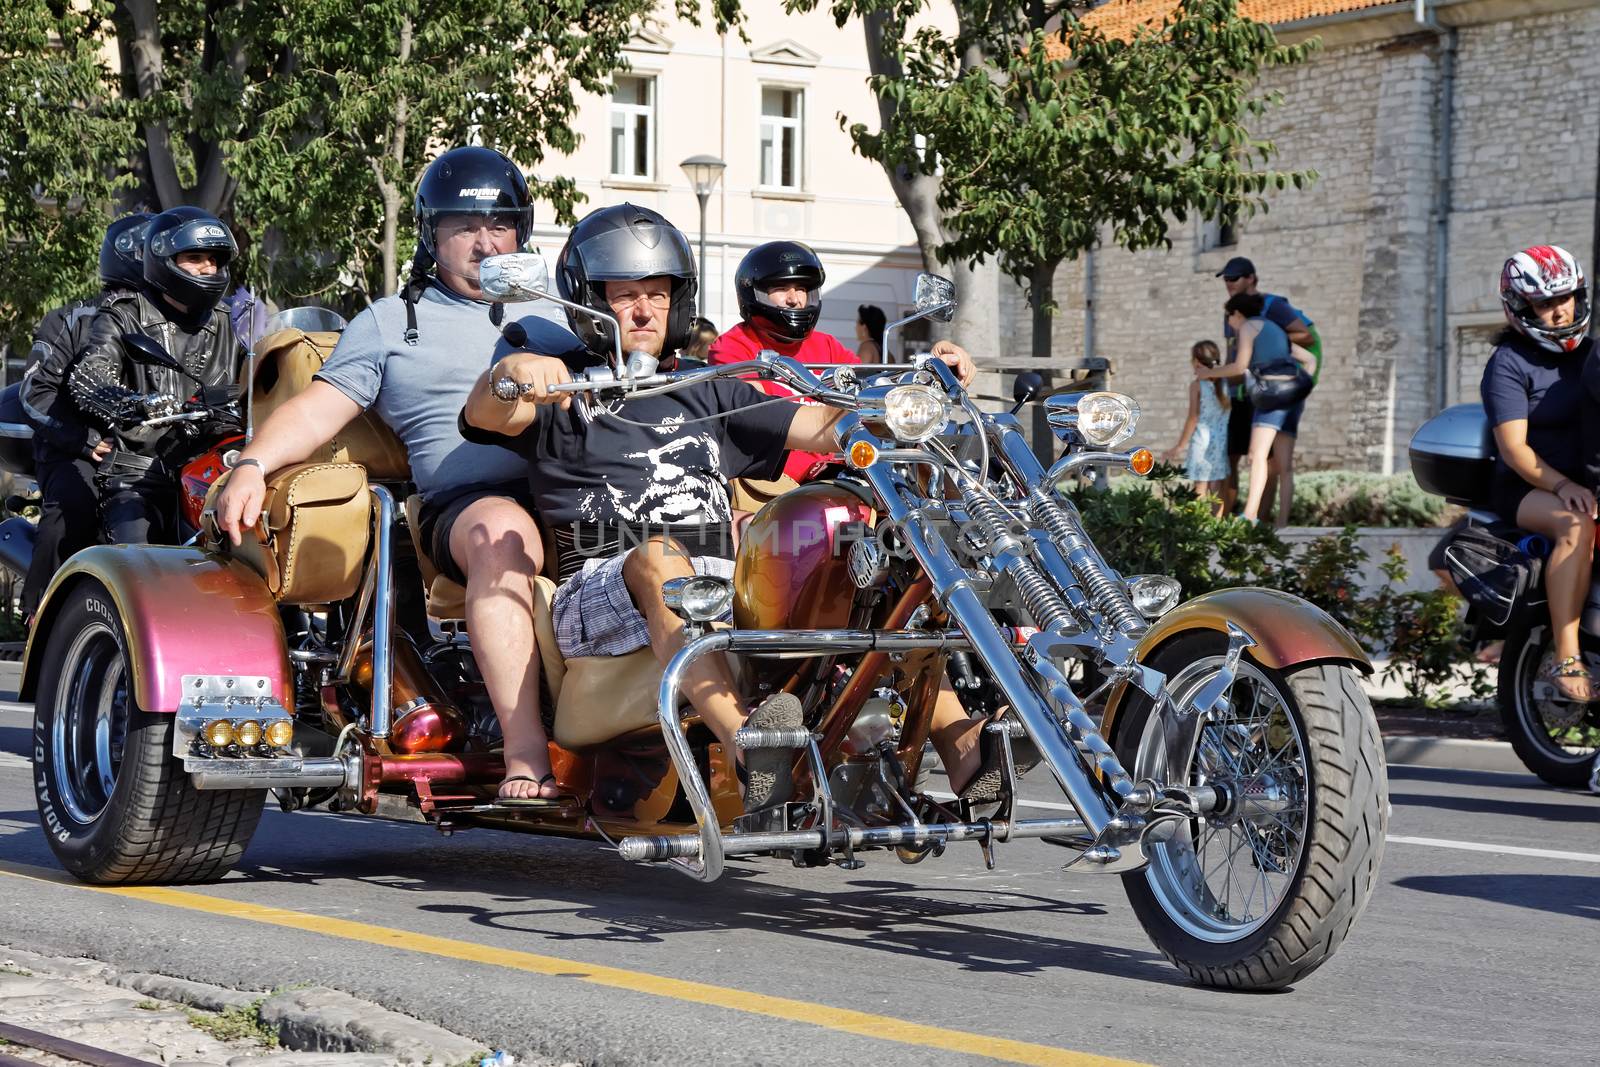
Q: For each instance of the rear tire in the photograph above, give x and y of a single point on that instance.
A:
(1308, 734)
(115, 804)
(1544, 734)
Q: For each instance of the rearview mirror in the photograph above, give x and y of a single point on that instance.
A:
(514, 277)
(935, 296)
(142, 349)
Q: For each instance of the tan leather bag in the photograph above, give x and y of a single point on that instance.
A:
(285, 363)
(311, 540)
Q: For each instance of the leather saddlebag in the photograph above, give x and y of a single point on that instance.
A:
(311, 540)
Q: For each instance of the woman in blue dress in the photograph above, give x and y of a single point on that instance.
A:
(1204, 440)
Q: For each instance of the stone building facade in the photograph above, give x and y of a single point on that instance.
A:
(1440, 150)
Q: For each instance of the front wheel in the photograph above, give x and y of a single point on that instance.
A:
(1261, 897)
(1555, 739)
(115, 804)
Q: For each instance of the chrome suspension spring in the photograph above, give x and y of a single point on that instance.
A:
(1039, 596)
(1107, 594)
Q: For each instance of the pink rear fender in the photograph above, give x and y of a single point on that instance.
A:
(184, 612)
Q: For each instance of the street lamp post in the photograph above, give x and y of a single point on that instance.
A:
(703, 172)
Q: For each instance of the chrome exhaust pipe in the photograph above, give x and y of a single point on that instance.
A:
(316, 772)
(687, 846)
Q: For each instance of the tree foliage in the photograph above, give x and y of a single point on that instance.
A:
(305, 121)
(1041, 131)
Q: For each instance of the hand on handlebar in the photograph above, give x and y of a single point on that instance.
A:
(238, 505)
(525, 376)
(160, 405)
(101, 450)
(956, 358)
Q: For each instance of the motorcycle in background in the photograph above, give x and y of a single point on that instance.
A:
(1499, 569)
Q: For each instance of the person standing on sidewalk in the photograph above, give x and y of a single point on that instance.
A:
(1204, 442)
(1239, 276)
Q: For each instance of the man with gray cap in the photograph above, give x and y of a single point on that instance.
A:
(1239, 275)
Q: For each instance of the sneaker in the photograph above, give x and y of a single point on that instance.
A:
(768, 777)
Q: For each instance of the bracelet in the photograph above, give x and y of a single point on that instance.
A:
(256, 463)
(1557, 490)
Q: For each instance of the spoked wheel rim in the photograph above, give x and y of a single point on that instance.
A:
(1557, 728)
(90, 726)
(1223, 878)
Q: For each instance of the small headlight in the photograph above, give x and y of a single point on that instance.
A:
(916, 412)
(248, 733)
(280, 733)
(219, 733)
(1154, 594)
(698, 598)
(1106, 419)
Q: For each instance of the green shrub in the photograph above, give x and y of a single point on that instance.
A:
(1360, 498)
(1159, 526)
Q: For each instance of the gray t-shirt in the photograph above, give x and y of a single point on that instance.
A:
(417, 390)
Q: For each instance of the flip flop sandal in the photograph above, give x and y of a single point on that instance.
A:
(984, 787)
(528, 802)
(1571, 667)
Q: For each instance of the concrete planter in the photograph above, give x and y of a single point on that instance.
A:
(1415, 544)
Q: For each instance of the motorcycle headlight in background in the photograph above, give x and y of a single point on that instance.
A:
(915, 413)
(1107, 419)
(1154, 594)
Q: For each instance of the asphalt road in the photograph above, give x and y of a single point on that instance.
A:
(1480, 946)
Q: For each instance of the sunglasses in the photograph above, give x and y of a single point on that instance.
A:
(1232, 277)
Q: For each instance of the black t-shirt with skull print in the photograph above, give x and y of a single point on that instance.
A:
(672, 470)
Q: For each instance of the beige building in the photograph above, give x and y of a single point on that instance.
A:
(1442, 145)
(770, 109)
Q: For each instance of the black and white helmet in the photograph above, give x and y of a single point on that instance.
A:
(472, 181)
(188, 229)
(626, 243)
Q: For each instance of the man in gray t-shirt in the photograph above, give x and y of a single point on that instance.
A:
(413, 359)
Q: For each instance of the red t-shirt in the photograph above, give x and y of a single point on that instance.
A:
(743, 343)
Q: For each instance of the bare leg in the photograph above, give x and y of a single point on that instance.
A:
(1566, 574)
(1260, 449)
(955, 736)
(708, 683)
(1230, 485)
(1283, 461)
(496, 543)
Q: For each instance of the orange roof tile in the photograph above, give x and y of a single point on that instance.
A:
(1120, 18)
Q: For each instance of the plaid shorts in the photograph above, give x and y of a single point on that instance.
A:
(594, 613)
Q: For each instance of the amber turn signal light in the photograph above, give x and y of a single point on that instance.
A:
(1142, 462)
(863, 455)
(279, 733)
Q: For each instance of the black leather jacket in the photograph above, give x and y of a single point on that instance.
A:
(59, 429)
(110, 389)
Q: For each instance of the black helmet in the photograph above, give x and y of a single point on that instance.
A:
(625, 243)
(122, 250)
(187, 229)
(472, 181)
(765, 266)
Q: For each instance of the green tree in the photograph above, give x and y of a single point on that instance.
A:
(1024, 132)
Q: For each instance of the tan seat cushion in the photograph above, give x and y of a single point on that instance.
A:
(447, 599)
(286, 361)
(750, 494)
(603, 697)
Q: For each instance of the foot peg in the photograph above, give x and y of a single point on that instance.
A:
(749, 738)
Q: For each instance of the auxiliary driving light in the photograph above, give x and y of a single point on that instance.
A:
(916, 413)
(219, 733)
(1153, 595)
(248, 733)
(698, 598)
(280, 733)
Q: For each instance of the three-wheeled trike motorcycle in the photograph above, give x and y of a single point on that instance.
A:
(1219, 754)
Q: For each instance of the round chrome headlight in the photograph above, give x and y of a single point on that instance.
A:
(915, 413)
(1106, 419)
(1153, 595)
(699, 597)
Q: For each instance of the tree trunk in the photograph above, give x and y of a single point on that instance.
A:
(386, 187)
(1041, 288)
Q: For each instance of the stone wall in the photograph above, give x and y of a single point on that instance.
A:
(1357, 249)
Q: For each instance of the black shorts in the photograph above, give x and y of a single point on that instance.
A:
(1240, 414)
(438, 517)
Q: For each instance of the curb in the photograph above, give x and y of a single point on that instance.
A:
(1453, 753)
(311, 1019)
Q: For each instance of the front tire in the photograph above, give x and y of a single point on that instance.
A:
(115, 804)
(1554, 739)
(1269, 902)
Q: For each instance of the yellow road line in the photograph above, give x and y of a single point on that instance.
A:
(841, 1019)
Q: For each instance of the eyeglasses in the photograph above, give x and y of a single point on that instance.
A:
(624, 301)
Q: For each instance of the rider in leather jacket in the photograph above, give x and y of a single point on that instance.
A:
(64, 446)
(186, 257)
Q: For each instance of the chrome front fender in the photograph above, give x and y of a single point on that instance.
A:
(184, 611)
(1286, 630)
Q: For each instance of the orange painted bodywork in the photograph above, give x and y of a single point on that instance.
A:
(184, 611)
(793, 570)
(1287, 630)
